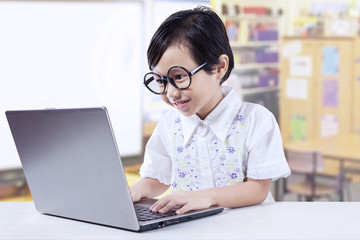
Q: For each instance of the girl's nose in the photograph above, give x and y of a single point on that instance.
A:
(172, 92)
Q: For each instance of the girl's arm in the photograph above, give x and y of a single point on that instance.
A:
(239, 195)
(147, 187)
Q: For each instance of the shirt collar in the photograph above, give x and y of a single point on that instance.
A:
(219, 120)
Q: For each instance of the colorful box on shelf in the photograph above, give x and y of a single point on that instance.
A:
(265, 35)
(256, 10)
(266, 55)
(269, 80)
(257, 79)
(264, 32)
(245, 55)
(232, 29)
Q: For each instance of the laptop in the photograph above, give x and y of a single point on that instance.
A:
(73, 168)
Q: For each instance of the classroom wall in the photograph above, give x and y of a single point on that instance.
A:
(319, 87)
(67, 54)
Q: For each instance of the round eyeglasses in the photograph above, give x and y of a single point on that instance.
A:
(178, 76)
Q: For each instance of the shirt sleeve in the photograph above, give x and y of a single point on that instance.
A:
(157, 162)
(265, 153)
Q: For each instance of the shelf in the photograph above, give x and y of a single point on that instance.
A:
(247, 91)
(255, 41)
(253, 44)
(249, 66)
(252, 17)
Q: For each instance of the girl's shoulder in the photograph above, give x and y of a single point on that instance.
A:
(254, 110)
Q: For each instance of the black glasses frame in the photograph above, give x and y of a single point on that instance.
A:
(167, 79)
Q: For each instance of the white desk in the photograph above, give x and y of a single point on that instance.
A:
(281, 220)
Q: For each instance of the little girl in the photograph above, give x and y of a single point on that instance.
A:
(211, 148)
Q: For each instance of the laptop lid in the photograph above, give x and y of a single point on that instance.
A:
(72, 165)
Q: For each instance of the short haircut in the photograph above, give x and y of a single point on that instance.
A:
(201, 30)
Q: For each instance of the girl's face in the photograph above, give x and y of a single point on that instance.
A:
(204, 93)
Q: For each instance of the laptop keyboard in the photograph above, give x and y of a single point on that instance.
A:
(143, 213)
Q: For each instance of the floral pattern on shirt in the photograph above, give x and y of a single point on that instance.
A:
(227, 157)
(229, 164)
(185, 175)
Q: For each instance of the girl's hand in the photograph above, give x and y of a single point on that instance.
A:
(147, 188)
(188, 200)
(135, 195)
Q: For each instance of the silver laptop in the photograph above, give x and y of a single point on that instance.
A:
(73, 167)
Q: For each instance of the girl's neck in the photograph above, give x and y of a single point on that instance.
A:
(215, 101)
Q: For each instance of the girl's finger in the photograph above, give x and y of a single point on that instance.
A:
(170, 205)
(158, 204)
(184, 209)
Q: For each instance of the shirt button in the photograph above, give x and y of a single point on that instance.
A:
(202, 130)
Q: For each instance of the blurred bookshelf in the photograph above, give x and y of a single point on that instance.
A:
(254, 33)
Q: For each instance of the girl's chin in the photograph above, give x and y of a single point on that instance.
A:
(186, 112)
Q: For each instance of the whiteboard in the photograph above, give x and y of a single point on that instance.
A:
(72, 54)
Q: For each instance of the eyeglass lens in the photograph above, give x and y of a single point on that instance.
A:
(177, 76)
(155, 83)
(180, 77)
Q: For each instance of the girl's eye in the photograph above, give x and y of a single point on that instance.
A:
(159, 81)
(179, 77)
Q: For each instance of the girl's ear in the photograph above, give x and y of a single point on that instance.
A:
(222, 66)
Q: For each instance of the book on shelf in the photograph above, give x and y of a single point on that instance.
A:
(266, 78)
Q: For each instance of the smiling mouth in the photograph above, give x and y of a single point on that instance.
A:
(181, 104)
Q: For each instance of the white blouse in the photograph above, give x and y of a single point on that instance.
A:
(236, 140)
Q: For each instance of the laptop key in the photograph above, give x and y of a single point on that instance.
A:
(144, 214)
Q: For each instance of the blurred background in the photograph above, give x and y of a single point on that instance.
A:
(299, 58)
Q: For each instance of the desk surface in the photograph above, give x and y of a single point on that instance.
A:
(280, 220)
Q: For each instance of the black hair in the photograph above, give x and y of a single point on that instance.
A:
(201, 30)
